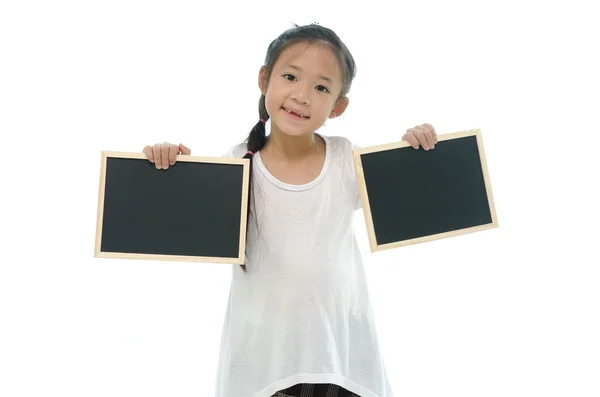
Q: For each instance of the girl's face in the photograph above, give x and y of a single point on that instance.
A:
(306, 79)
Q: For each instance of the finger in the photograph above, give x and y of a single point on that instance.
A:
(433, 133)
(410, 138)
(173, 151)
(157, 156)
(148, 152)
(164, 155)
(184, 149)
(429, 136)
(424, 137)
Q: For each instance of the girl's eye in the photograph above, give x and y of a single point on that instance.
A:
(287, 74)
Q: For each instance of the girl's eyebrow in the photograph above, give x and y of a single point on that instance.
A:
(299, 69)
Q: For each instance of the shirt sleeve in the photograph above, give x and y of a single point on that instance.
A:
(357, 201)
(230, 152)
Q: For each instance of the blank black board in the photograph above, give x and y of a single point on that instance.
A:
(411, 195)
(193, 211)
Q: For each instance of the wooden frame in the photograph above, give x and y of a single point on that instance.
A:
(365, 198)
(180, 158)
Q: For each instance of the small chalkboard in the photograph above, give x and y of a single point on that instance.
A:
(195, 210)
(412, 196)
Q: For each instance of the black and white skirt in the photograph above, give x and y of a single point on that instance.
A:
(315, 390)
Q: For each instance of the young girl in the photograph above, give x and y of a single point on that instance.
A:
(299, 321)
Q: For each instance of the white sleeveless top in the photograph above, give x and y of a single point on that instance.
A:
(301, 313)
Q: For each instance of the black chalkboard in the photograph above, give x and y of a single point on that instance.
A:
(193, 211)
(411, 196)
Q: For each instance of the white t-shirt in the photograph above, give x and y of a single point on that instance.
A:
(301, 313)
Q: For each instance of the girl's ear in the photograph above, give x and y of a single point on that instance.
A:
(262, 80)
(339, 108)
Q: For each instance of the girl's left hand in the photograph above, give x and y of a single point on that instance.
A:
(423, 135)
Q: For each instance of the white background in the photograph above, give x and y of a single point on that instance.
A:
(513, 311)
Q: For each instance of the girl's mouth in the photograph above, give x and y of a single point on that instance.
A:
(294, 115)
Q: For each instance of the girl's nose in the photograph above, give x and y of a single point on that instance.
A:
(301, 95)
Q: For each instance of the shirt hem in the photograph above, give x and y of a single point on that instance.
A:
(315, 378)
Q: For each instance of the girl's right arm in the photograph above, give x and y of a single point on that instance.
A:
(163, 154)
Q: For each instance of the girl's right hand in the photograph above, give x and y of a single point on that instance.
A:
(163, 154)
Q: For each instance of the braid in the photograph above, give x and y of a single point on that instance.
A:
(256, 141)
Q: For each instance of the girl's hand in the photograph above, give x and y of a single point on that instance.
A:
(163, 154)
(423, 135)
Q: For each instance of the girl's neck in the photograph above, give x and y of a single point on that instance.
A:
(290, 147)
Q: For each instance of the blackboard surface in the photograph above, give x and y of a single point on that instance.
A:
(411, 196)
(193, 211)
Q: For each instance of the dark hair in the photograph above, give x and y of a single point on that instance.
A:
(310, 34)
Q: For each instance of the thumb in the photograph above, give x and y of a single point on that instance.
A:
(184, 149)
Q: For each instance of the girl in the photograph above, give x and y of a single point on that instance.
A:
(299, 321)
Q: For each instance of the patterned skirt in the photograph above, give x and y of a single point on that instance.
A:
(315, 390)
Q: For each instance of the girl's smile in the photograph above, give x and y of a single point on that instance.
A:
(292, 115)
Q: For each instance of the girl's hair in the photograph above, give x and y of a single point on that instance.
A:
(309, 34)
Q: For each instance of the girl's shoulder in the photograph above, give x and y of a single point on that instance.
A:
(340, 146)
(238, 151)
(340, 142)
